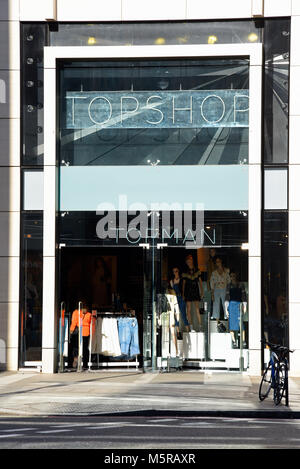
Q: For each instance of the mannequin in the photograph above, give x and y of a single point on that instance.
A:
(235, 300)
(176, 285)
(174, 317)
(192, 290)
(85, 318)
(211, 265)
(218, 284)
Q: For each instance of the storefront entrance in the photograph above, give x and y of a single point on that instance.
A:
(155, 306)
(154, 162)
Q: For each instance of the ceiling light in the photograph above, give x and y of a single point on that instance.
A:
(252, 37)
(91, 41)
(212, 39)
(159, 41)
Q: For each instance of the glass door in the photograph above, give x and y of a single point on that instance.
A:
(191, 319)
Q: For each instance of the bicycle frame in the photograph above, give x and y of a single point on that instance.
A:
(278, 368)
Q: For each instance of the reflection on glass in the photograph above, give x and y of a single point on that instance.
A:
(276, 90)
(32, 281)
(184, 112)
(275, 270)
(106, 34)
(34, 38)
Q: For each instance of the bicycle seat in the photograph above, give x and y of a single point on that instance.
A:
(277, 347)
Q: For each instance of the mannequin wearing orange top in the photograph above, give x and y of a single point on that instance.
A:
(86, 318)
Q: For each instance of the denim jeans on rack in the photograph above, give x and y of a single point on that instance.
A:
(129, 336)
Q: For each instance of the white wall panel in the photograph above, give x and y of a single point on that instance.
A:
(137, 10)
(294, 150)
(13, 11)
(90, 10)
(9, 279)
(294, 187)
(10, 189)
(294, 290)
(254, 210)
(294, 338)
(254, 302)
(294, 233)
(276, 189)
(49, 338)
(35, 10)
(33, 190)
(217, 9)
(294, 91)
(278, 7)
(257, 7)
(9, 234)
(10, 94)
(10, 142)
(295, 7)
(49, 210)
(295, 40)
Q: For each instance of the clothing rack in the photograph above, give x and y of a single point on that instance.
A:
(113, 363)
(113, 315)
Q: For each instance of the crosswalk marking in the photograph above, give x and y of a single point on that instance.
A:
(55, 431)
(18, 430)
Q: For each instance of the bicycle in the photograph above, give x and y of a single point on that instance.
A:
(275, 375)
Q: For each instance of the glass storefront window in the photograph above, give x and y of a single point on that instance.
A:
(183, 112)
(275, 271)
(33, 40)
(32, 285)
(105, 34)
(276, 90)
(138, 270)
(146, 149)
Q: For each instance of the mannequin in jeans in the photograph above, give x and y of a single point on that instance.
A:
(235, 302)
(218, 283)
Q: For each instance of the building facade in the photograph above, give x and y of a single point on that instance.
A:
(149, 170)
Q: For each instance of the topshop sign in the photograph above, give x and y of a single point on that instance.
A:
(156, 109)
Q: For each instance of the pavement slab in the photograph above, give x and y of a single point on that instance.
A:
(123, 392)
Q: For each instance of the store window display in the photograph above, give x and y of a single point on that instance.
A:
(218, 283)
(193, 291)
(235, 303)
(176, 284)
(80, 318)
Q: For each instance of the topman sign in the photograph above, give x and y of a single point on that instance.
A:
(157, 109)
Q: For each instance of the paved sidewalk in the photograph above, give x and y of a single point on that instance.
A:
(127, 391)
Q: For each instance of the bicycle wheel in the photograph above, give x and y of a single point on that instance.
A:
(266, 383)
(280, 383)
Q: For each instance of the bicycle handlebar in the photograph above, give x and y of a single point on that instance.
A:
(276, 347)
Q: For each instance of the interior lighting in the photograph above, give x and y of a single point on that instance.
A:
(91, 41)
(212, 39)
(245, 246)
(159, 41)
(183, 39)
(252, 37)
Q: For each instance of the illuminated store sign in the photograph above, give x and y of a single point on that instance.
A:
(157, 109)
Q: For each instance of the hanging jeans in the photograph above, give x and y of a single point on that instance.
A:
(129, 336)
(219, 296)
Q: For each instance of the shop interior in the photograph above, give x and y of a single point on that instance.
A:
(122, 288)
